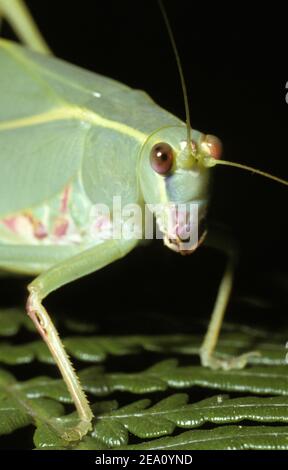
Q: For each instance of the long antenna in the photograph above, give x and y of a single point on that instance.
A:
(209, 162)
(180, 70)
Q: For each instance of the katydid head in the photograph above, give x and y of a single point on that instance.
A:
(176, 167)
(177, 175)
(175, 183)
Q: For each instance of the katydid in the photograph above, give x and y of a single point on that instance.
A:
(73, 141)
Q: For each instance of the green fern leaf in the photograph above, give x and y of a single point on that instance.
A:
(146, 421)
(222, 438)
(17, 410)
(98, 348)
(40, 401)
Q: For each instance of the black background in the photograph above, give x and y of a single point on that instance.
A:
(234, 60)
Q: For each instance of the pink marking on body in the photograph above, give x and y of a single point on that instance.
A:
(102, 223)
(11, 223)
(40, 231)
(25, 224)
(65, 199)
(101, 228)
(61, 227)
(20, 225)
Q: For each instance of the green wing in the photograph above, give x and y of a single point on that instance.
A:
(57, 120)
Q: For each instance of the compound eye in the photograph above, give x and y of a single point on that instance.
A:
(213, 146)
(161, 158)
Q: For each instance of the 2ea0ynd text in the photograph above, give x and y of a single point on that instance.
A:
(144, 459)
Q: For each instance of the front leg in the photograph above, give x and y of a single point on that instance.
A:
(23, 24)
(62, 273)
(225, 244)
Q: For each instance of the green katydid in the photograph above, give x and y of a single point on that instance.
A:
(73, 141)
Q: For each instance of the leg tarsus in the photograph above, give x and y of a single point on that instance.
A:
(71, 433)
(76, 433)
(238, 362)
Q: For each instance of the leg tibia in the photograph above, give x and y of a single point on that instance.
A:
(46, 328)
(207, 349)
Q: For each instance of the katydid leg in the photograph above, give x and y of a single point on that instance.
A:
(228, 246)
(58, 275)
(32, 260)
(46, 328)
(22, 22)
